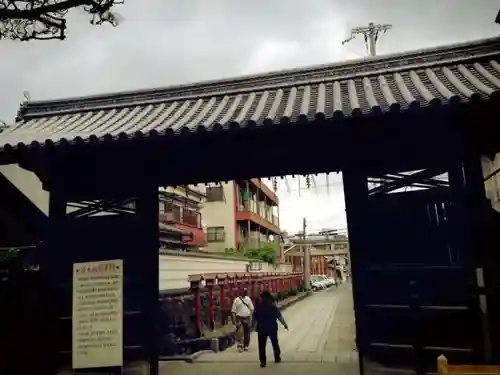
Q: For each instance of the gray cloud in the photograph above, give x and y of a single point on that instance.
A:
(162, 42)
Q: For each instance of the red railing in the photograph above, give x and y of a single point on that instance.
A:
(224, 287)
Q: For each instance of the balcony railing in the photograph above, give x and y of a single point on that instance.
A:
(254, 209)
(182, 216)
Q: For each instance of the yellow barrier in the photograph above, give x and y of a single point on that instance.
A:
(443, 368)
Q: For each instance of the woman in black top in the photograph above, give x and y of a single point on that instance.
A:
(265, 319)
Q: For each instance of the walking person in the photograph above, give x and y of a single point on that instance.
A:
(265, 319)
(242, 311)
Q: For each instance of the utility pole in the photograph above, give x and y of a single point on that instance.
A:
(307, 257)
(370, 33)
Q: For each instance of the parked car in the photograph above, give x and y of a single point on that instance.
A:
(329, 281)
(321, 279)
(315, 286)
(332, 280)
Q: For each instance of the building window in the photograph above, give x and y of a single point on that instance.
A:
(216, 234)
(191, 217)
(215, 194)
(173, 212)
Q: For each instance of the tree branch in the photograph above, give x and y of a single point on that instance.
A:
(44, 19)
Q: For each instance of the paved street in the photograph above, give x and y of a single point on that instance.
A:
(320, 339)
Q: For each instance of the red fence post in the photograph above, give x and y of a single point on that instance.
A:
(248, 278)
(239, 286)
(253, 291)
(230, 281)
(210, 284)
(194, 281)
(221, 281)
(257, 286)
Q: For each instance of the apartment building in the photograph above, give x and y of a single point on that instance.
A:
(240, 215)
(180, 214)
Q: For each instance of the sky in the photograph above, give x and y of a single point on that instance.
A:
(163, 42)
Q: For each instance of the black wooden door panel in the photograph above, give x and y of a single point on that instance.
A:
(417, 291)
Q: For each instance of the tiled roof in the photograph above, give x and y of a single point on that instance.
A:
(390, 83)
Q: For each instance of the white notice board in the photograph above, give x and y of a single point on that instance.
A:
(97, 339)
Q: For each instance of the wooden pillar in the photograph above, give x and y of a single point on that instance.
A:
(194, 282)
(476, 208)
(253, 288)
(222, 282)
(356, 203)
(147, 211)
(231, 280)
(210, 284)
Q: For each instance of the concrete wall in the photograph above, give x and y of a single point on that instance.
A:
(175, 269)
(221, 214)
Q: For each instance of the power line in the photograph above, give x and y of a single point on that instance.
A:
(371, 34)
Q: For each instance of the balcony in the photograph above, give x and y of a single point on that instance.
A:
(260, 217)
(180, 216)
(265, 190)
(187, 220)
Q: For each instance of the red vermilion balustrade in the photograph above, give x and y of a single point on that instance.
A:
(210, 280)
(218, 286)
(222, 282)
(195, 284)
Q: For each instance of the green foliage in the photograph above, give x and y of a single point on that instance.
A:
(286, 293)
(265, 253)
(293, 291)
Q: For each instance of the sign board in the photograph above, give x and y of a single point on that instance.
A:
(97, 339)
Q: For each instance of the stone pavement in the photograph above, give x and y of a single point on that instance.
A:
(320, 339)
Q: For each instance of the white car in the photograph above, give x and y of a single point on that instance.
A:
(317, 283)
(322, 279)
(316, 286)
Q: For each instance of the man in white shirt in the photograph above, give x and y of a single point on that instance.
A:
(242, 311)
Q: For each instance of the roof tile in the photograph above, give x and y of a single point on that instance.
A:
(461, 78)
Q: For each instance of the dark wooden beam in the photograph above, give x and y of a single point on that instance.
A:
(407, 180)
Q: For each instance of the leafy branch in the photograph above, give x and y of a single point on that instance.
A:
(46, 19)
(265, 253)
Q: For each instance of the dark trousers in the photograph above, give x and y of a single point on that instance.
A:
(243, 331)
(262, 338)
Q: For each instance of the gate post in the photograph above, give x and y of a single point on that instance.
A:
(356, 196)
(476, 209)
(210, 281)
(221, 281)
(194, 282)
